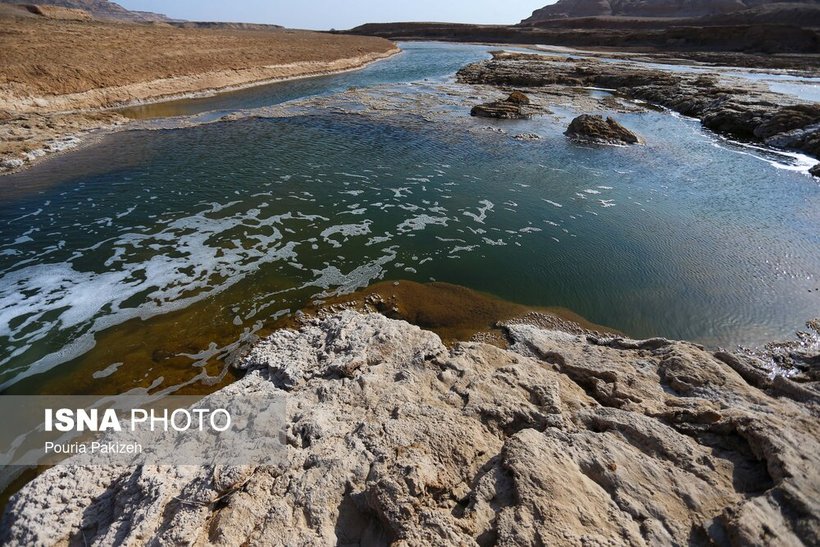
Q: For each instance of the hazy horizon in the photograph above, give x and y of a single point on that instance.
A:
(327, 14)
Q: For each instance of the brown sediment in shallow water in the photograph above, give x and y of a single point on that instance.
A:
(453, 312)
(170, 350)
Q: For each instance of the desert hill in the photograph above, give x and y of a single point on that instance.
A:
(568, 9)
(98, 9)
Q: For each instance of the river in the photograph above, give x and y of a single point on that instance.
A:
(141, 261)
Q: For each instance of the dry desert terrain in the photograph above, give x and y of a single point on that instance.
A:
(58, 74)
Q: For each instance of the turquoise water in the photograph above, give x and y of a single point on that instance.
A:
(689, 236)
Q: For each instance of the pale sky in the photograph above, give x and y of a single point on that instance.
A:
(341, 14)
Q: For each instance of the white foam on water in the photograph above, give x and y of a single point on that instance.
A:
(553, 203)
(32, 214)
(788, 161)
(106, 372)
(400, 192)
(481, 216)
(379, 239)
(353, 176)
(420, 222)
(127, 212)
(346, 231)
(188, 260)
(463, 248)
(358, 278)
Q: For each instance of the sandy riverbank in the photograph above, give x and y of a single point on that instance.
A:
(57, 77)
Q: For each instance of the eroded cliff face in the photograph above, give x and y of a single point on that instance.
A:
(564, 439)
(646, 8)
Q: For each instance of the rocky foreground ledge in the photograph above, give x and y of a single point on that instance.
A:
(563, 439)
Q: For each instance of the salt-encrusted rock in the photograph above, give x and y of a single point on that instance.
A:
(596, 130)
(11, 164)
(564, 439)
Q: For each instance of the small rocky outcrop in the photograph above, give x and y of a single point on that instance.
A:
(732, 108)
(815, 170)
(511, 108)
(564, 439)
(518, 98)
(597, 130)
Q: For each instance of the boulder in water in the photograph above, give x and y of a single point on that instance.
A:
(507, 109)
(587, 128)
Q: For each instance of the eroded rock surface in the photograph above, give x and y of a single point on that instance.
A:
(597, 130)
(565, 439)
(513, 107)
(728, 107)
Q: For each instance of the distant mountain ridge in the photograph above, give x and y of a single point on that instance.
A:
(565, 9)
(99, 9)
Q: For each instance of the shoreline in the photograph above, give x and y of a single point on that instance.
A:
(176, 88)
(88, 131)
(463, 317)
(260, 83)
